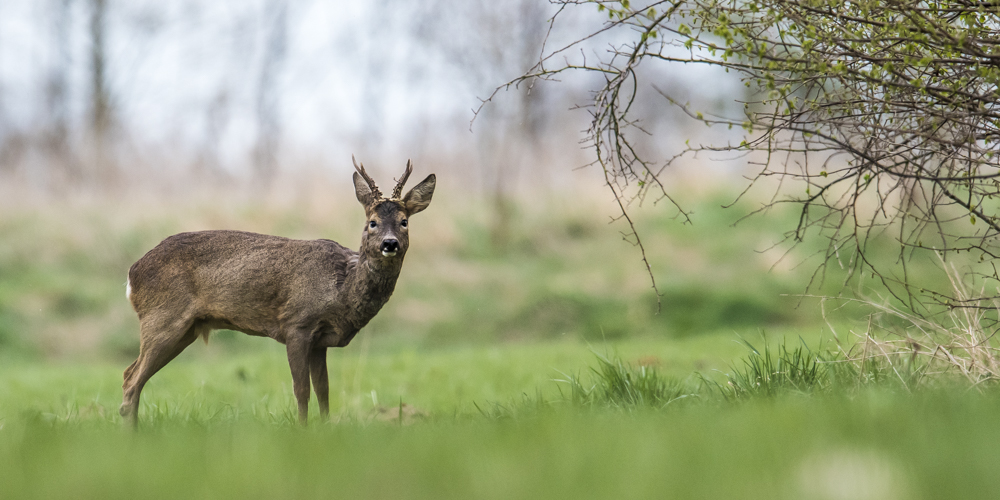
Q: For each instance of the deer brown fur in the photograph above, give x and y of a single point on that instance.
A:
(306, 294)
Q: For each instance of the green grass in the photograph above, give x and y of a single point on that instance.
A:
(250, 377)
(210, 432)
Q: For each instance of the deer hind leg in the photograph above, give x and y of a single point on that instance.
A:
(129, 371)
(159, 343)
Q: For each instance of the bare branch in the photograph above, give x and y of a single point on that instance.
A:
(878, 118)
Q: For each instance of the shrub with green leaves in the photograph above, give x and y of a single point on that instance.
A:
(875, 116)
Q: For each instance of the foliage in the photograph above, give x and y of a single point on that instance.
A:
(769, 372)
(878, 116)
(797, 369)
(764, 374)
(619, 384)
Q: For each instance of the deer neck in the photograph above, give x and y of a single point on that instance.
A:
(370, 284)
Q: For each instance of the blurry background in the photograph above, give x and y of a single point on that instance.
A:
(124, 122)
(96, 90)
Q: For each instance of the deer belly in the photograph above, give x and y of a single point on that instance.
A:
(223, 324)
(332, 338)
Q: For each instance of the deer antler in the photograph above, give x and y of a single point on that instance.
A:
(397, 192)
(376, 194)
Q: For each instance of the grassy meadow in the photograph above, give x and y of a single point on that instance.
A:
(482, 376)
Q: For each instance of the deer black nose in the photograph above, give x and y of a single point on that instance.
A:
(390, 246)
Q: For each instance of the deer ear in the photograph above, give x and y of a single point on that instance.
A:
(420, 196)
(361, 189)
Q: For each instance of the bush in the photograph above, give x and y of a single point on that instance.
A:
(617, 384)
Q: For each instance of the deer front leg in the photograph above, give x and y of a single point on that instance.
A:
(320, 380)
(298, 361)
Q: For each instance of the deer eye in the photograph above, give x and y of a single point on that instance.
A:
(403, 223)
(372, 224)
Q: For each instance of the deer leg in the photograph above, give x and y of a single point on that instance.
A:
(129, 371)
(155, 351)
(320, 380)
(298, 361)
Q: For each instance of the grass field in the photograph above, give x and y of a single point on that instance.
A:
(459, 388)
(210, 432)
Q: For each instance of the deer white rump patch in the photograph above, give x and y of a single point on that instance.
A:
(128, 289)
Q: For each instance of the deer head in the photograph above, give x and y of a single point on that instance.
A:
(386, 232)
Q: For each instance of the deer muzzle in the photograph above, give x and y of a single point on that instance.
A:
(389, 247)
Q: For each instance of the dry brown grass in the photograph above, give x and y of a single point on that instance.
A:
(945, 342)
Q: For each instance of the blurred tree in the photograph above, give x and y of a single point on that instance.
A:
(378, 53)
(878, 116)
(216, 118)
(268, 93)
(101, 114)
(56, 94)
(5, 132)
(487, 41)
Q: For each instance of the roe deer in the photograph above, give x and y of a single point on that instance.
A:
(308, 295)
